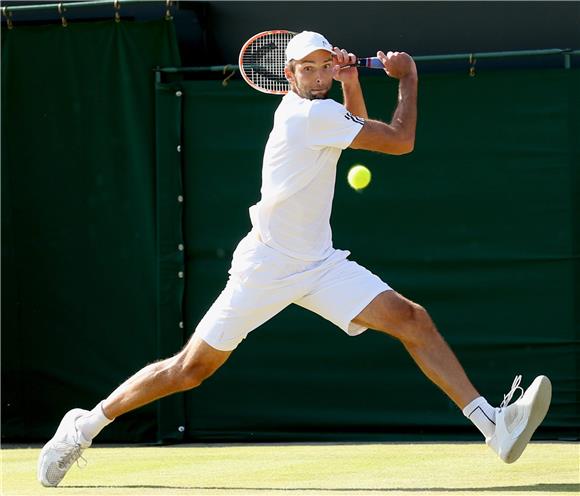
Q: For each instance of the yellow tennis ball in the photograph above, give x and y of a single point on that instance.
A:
(359, 177)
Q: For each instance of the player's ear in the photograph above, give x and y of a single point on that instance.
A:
(289, 72)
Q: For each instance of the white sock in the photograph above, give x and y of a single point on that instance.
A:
(92, 422)
(482, 414)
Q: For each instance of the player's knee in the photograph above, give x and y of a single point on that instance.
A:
(191, 374)
(418, 328)
(420, 316)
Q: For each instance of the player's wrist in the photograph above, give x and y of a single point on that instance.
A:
(350, 83)
(411, 77)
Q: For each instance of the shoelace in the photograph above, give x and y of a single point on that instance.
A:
(73, 454)
(515, 386)
(80, 456)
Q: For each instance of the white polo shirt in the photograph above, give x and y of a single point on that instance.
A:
(298, 175)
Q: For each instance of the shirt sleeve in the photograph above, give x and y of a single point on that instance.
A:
(330, 124)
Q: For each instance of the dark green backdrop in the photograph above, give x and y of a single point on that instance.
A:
(115, 241)
(79, 253)
(479, 224)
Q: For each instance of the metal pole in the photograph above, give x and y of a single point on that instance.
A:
(566, 52)
(74, 5)
(491, 55)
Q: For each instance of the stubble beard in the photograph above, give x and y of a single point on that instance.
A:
(309, 95)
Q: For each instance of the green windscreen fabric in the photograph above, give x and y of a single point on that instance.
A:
(123, 199)
(80, 272)
(479, 224)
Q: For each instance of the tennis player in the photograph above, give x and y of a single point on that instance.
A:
(288, 257)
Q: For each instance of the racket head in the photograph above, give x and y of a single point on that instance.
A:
(262, 60)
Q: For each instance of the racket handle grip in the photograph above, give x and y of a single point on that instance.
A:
(370, 63)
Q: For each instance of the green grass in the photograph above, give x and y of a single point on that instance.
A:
(319, 469)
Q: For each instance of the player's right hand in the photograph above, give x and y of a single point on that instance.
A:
(341, 72)
(398, 64)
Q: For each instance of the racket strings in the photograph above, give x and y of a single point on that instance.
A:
(264, 59)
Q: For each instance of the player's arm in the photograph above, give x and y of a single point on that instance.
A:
(398, 137)
(351, 90)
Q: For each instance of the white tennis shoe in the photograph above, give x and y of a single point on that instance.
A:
(515, 423)
(65, 448)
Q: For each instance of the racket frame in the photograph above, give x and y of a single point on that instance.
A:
(241, 61)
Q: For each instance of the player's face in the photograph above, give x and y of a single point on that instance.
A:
(312, 75)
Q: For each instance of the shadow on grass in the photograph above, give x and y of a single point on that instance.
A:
(548, 488)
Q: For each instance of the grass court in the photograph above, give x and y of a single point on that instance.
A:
(454, 469)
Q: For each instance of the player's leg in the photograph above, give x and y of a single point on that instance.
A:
(255, 292)
(410, 323)
(186, 370)
(355, 300)
(507, 429)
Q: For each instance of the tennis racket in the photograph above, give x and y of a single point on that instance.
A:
(262, 60)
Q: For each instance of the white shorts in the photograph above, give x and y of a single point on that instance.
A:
(264, 281)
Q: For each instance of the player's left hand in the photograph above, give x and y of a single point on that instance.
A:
(341, 58)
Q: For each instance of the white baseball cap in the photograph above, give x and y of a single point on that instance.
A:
(304, 43)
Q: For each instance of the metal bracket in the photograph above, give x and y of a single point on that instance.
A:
(226, 80)
(61, 11)
(6, 13)
(472, 61)
(117, 5)
(168, 4)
